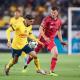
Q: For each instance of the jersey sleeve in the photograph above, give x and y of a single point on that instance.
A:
(30, 30)
(8, 33)
(10, 23)
(22, 19)
(31, 35)
(44, 22)
(17, 26)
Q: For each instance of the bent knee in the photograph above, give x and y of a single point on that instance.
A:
(15, 61)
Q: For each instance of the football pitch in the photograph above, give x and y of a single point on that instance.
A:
(67, 68)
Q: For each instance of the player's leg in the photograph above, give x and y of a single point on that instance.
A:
(32, 53)
(13, 61)
(54, 52)
(30, 58)
(10, 64)
(53, 49)
(36, 62)
(24, 55)
(26, 64)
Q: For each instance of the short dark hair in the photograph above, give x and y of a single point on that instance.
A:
(29, 17)
(55, 8)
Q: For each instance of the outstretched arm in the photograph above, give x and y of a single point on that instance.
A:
(8, 31)
(42, 32)
(60, 35)
(60, 38)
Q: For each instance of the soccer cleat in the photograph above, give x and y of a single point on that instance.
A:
(41, 72)
(24, 70)
(53, 74)
(25, 66)
(7, 70)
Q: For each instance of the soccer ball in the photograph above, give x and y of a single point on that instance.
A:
(33, 44)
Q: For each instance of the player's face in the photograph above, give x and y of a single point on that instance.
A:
(17, 14)
(54, 13)
(29, 22)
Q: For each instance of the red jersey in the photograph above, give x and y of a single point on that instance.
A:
(51, 26)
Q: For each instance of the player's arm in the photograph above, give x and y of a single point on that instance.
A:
(42, 32)
(8, 31)
(42, 28)
(31, 36)
(60, 37)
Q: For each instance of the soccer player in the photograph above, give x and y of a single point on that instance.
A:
(20, 42)
(50, 27)
(15, 19)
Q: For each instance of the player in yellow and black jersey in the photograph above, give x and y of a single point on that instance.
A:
(22, 31)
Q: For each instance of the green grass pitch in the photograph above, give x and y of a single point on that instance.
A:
(67, 68)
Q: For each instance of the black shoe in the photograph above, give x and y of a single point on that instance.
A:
(25, 66)
(24, 70)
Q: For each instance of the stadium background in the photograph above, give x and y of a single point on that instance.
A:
(39, 9)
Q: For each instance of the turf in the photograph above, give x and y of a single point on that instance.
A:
(67, 68)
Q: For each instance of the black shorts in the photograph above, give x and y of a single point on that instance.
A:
(18, 53)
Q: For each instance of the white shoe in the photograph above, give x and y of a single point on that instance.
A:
(41, 72)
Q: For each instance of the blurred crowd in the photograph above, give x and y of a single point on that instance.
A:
(38, 8)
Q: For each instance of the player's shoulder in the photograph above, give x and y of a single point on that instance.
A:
(12, 18)
(29, 27)
(47, 18)
(22, 18)
(59, 20)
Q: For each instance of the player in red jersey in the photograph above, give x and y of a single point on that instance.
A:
(50, 27)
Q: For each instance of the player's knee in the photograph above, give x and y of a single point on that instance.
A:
(15, 60)
(33, 54)
(35, 57)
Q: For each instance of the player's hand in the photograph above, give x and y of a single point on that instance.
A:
(41, 43)
(64, 43)
(9, 44)
(47, 39)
